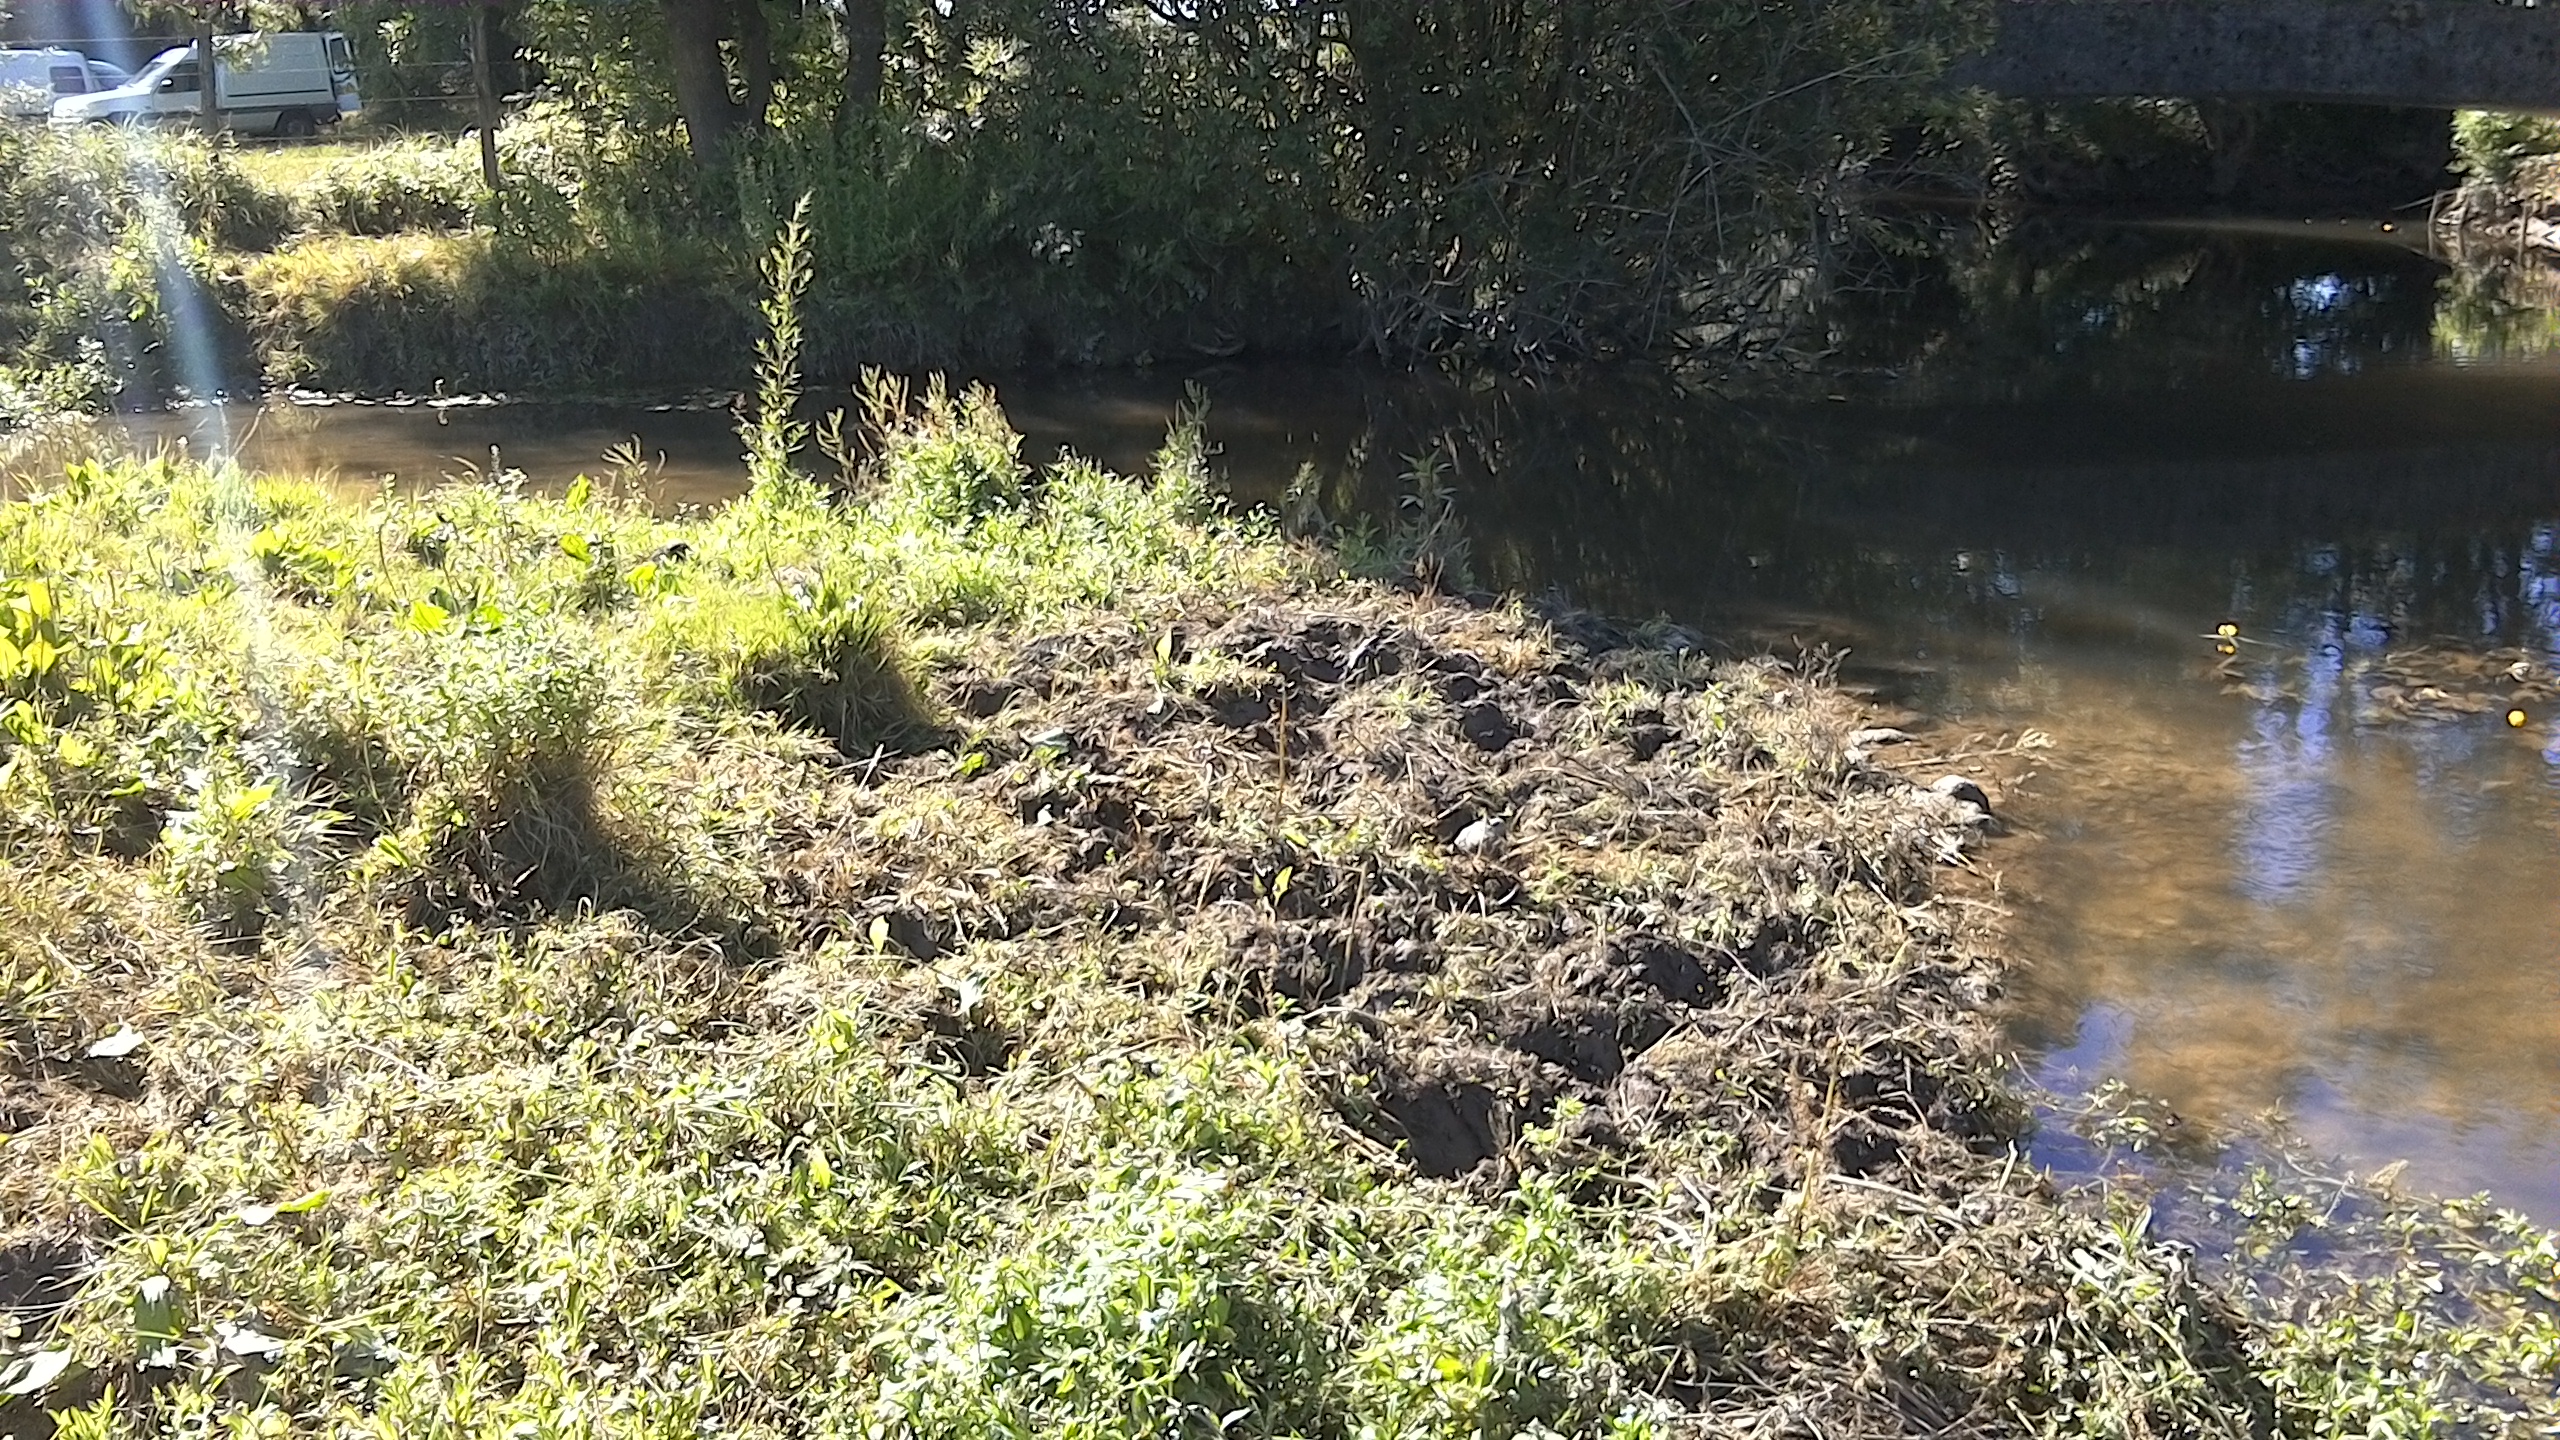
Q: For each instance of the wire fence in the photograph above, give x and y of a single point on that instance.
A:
(452, 78)
(415, 86)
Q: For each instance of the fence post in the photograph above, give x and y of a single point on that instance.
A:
(486, 87)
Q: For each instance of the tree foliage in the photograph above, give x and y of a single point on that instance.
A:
(1502, 177)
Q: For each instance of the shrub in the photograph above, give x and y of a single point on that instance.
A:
(482, 312)
(944, 462)
(2491, 145)
(107, 251)
(448, 728)
(1154, 1308)
(388, 190)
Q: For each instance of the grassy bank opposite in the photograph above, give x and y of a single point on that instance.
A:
(1019, 186)
(145, 263)
(964, 949)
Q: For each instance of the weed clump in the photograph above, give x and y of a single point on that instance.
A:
(947, 462)
(230, 847)
(825, 658)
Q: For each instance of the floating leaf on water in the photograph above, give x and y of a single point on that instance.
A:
(124, 1042)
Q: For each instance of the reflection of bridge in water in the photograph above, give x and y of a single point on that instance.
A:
(2437, 54)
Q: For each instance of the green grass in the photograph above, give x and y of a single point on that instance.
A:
(283, 167)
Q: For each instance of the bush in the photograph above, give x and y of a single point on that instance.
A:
(947, 462)
(107, 255)
(1158, 1306)
(480, 312)
(389, 190)
(466, 724)
(2491, 145)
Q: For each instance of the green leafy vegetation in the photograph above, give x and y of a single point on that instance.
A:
(2492, 146)
(2509, 195)
(1020, 183)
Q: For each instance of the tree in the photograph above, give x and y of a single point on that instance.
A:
(714, 109)
(865, 25)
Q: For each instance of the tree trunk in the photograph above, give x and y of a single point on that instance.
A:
(208, 76)
(866, 43)
(486, 90)
(755, 61)
(695, 29)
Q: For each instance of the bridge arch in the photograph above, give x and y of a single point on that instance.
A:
(2432, 54)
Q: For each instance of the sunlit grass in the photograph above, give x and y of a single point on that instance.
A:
(283, 166)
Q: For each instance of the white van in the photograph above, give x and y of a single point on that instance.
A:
(278, 83)
(31, 80)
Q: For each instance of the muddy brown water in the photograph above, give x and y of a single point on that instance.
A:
(2300, 879)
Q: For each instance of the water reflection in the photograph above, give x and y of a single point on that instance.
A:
(2321, 876)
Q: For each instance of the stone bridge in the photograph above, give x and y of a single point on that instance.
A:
(2436, 54)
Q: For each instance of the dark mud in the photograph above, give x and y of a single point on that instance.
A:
(1516, 872)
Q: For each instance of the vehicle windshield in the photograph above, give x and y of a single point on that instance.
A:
(162, 63)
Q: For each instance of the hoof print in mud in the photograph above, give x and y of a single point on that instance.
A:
(1450, 1117)
(967, 1039)
(1487, 728)
(1241, 712)
(1647, 963)
(1580, 1037)
(1647, 739)
(1298, 964)
(986, 701)
(1862, 1150)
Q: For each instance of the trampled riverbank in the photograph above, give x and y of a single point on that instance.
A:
(979, 950)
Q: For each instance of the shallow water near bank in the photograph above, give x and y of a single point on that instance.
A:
(2318, 876)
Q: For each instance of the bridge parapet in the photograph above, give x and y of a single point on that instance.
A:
(2428, 53)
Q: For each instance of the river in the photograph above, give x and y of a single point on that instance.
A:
(2318, 877)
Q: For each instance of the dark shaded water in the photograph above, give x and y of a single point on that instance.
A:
(2056, 462)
